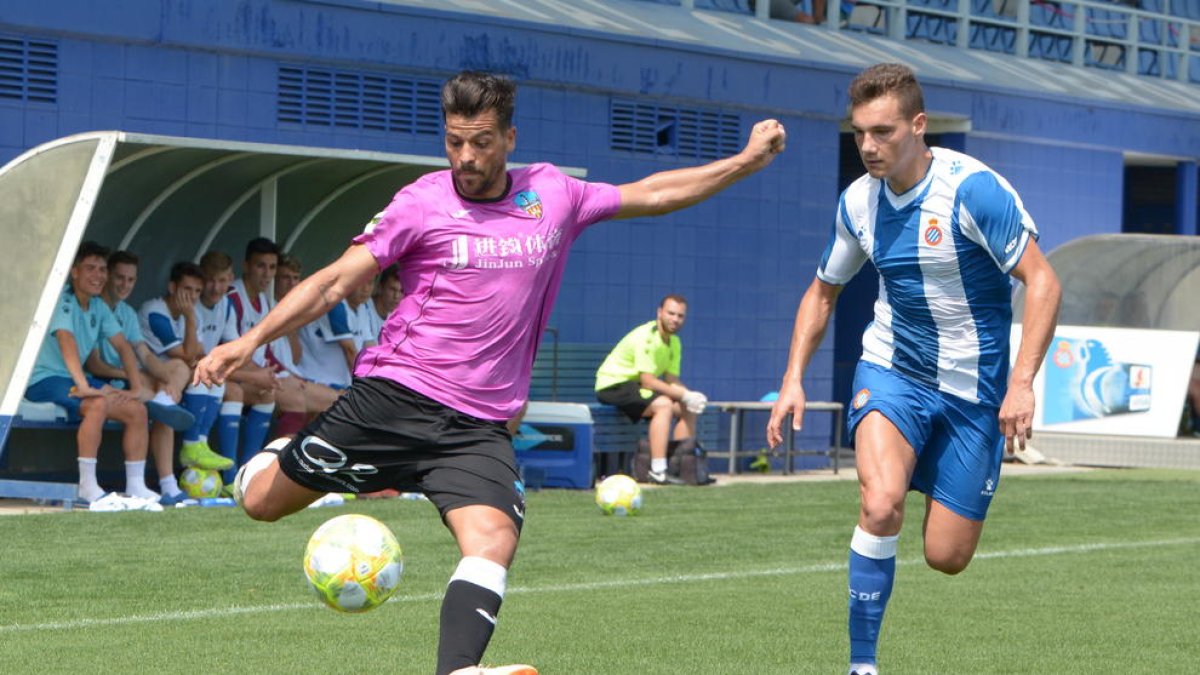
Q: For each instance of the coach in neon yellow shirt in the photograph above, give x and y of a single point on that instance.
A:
(640, 376)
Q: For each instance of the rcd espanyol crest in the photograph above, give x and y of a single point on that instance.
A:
(530, 202)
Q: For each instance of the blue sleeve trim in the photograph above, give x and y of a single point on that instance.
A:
(163, 330)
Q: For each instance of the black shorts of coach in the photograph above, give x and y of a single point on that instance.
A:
(626, 397)
(381, 434)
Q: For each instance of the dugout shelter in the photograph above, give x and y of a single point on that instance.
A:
(1132, 281)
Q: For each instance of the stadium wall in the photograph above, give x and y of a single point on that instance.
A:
(212, 70)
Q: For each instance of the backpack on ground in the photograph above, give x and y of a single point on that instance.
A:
(686, 460)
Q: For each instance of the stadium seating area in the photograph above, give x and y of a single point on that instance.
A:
(993, 27)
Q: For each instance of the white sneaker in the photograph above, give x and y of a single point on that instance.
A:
(115, 501)
(863, 669)
(662, 478)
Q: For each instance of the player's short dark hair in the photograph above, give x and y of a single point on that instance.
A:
(186, 269)
(882, 79)
(91, 249)
(473, 92)
(122, 258)
(289, 262)
(215, 262)
(259, 246)
(672, 296)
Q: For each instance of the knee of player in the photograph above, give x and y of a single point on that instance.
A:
(130, 412)
(259, 509)
(882, 511)
(494, 538)
(97, 405)
(661, 405)
(179, 370)
(947, 563)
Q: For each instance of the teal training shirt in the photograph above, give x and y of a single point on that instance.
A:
(89, 327)
(131, 326)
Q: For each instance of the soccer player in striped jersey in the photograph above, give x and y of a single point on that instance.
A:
(171, 333)
(935, 402)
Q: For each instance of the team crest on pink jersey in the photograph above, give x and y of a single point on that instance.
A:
(530, 202)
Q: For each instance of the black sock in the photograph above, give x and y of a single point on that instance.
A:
(468, 618)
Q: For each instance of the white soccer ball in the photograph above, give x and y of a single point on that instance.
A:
(199, 483)
(619, 495)
(353, 562)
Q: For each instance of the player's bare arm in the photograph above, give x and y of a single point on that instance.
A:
(812, 318)
(100, 368)
(350, 352)
(70, 352)
(669, 191)
(309, 300)
(130, 363)
(671, 389)
(1042, 296)
(184, 301)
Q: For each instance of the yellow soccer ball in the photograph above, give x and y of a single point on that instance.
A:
(199, 483)
(619, 495)
(353, 562)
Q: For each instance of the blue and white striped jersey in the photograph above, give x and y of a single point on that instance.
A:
(215, 324)
(943, 250)
(323, 360)
(162, 331)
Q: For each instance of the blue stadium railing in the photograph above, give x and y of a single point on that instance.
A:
(1152, 38)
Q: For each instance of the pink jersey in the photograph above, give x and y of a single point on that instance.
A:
(480, 279)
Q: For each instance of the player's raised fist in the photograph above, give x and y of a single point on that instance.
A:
(767, 139)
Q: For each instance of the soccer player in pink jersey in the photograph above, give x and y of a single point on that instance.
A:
(481, 250)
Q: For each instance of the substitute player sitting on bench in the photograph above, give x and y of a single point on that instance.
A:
(641, 378)
(78, 324)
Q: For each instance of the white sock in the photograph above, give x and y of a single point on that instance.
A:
(658, 465)
(135, 481)
(482, 572)
(169, 486)
(89, 488)
(257, 463)
(161, 397)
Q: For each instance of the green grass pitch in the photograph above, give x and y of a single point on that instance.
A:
(1092, 572)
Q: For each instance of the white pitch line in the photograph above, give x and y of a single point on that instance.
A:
(218, 612)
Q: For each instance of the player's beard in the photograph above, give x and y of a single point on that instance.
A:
(484, 183)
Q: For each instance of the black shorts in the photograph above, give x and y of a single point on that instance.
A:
(627, 397)
(380, 434)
